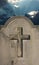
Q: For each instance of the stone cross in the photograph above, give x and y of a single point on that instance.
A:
(20, 37)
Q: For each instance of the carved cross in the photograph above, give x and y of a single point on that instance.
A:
(20, 37)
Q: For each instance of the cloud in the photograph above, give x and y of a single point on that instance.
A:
(6, 11)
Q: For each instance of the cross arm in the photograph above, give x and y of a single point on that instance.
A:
(26, 37)
(13, 37)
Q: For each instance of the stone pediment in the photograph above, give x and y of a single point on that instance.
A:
(17, 21)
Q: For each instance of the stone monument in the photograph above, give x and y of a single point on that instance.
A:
(21, 42)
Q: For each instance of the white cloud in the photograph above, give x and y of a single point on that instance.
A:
(16, 6)
(14, 1)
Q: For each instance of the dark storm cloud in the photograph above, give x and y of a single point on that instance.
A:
(6, 11)
(2, 2)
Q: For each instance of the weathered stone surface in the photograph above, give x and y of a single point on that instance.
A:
(11, 49)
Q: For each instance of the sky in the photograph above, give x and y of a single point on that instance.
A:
(9, 8)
